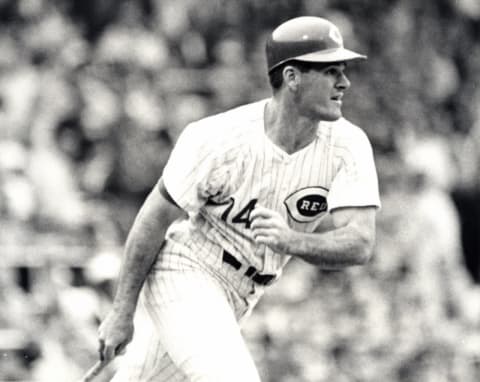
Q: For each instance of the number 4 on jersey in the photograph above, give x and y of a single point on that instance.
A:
(243, 215)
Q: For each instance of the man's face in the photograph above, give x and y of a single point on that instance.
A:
(320, 91)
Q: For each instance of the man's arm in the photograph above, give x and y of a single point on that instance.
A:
(349, 242)
(143, 243)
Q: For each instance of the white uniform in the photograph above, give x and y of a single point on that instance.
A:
(210, 273)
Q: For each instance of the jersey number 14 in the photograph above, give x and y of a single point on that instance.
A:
(243, 216)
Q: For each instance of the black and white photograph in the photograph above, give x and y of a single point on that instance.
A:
(239, 191)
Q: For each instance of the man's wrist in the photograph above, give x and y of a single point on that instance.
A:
(125, 308)
(290, 238)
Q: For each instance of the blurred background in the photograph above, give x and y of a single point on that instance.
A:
(94, 93)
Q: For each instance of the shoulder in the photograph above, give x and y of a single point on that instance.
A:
(239, 119)
(346, 134)
(226, 133)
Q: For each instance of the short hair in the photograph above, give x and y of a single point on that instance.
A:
(275, 76)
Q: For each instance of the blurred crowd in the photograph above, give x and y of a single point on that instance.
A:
(93, 94)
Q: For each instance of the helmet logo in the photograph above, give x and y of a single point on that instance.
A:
(335, 35)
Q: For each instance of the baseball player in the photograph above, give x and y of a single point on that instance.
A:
(243, 192)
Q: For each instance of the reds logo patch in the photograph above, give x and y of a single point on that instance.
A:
(307, 204)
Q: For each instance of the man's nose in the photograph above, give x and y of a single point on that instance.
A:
(343, 82)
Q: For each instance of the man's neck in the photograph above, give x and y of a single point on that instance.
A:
(287, 129)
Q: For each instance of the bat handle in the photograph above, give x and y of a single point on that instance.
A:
(94, 371)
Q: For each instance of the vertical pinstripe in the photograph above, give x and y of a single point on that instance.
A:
(218, 167)
(236, 140)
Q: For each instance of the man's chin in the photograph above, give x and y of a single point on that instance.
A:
(331, 117)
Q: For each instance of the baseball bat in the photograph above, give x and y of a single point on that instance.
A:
(94, 371)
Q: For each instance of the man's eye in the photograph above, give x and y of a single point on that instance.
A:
(332, 72)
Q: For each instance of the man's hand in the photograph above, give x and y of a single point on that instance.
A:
(114, 334)
(270, 228)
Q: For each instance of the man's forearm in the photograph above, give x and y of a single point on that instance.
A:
(140, 252)
(141, 249)
(333, 249)
(349, 240)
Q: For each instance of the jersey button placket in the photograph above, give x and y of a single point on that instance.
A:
(286, 162)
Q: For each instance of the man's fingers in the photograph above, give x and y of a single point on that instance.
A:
(109, 353)
(260, 211)
(266, 223)
(262, 232)
(121, 349)
(265, 236)
(264, 239)
(259, 223)
(101, 349)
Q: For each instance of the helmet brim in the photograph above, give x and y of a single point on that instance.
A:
(325, 56)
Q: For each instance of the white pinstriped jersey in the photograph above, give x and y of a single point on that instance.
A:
(224, 165)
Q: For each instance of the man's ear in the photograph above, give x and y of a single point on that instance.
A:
(291, 77)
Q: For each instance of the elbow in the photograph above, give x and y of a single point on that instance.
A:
(364, 248)
(363, 254)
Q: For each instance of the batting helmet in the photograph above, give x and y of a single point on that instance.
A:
(307, 38)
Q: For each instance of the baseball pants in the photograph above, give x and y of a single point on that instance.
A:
(186, 329)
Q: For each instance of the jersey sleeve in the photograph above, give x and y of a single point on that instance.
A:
(189, 175)
(356, 182)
